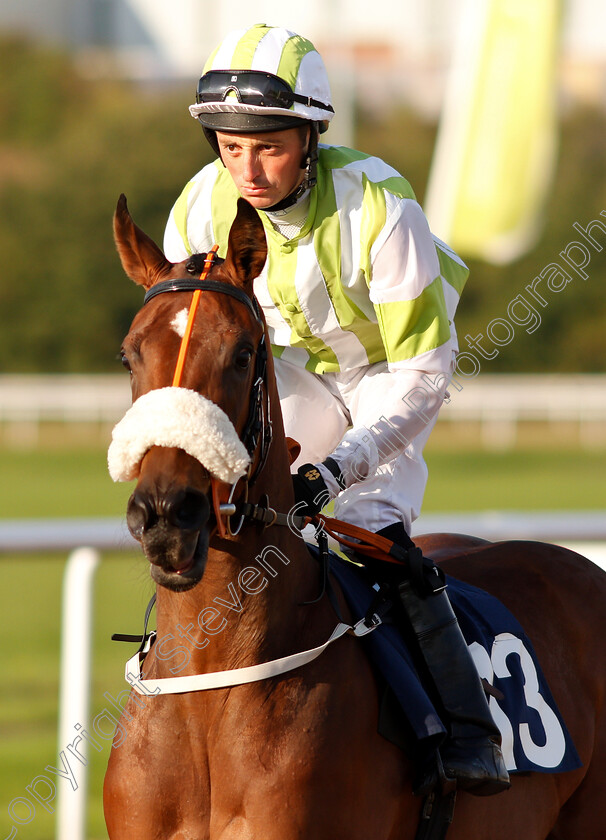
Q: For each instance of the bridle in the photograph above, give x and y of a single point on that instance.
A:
(257, 433)
(256, 437)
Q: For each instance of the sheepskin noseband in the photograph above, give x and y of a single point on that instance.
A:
(181, 418)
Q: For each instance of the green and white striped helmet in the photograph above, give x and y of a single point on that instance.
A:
(262, 79)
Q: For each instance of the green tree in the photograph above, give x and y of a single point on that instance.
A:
(69, 146)
(65, 303)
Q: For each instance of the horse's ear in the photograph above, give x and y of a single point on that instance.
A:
(247, 246)
(141, 258)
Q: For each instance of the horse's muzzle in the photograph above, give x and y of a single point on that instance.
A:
(184, 509)
(172, 529)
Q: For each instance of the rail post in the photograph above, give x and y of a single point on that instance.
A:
(75, 678)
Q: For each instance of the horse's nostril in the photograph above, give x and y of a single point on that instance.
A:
(187, 510)
(140, 515)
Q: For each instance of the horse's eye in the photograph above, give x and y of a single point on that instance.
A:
(191, 267)
(124, 361)
(243, 358)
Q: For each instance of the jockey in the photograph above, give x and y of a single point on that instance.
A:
(359, 299)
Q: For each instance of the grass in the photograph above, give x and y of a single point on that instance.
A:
(30, 601)
(58, 482)
(469, 480)
(64, 482)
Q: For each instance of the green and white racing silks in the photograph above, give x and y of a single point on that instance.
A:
(363, 281)
(281, 52)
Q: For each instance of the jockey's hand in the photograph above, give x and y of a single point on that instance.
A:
(310, 487)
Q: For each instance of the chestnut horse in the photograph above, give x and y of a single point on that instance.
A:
(298, 755)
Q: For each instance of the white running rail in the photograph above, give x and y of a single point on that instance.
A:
(86, 539)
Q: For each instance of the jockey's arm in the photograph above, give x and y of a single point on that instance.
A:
(420, 342)
(403, 267)
(411, 401)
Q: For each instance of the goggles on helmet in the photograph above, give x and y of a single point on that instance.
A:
(252, 87)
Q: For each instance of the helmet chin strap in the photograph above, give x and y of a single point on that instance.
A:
(211, 136)
(309, 163)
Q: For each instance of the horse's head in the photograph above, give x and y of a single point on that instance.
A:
(196, 356)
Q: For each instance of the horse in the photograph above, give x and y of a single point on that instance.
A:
(297, 754)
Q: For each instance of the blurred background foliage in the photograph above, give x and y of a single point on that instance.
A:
(69, 146)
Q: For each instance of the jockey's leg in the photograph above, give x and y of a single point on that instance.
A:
(316, 411)
(312, 414)
(472, 754)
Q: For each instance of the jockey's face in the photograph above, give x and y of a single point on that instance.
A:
(265, 167)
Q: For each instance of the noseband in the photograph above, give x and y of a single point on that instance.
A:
(257, 431)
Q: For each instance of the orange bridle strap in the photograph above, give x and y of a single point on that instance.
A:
(210, 258)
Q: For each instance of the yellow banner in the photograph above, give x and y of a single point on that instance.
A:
(496, 146)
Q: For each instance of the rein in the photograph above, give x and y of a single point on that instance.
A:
(257, 432)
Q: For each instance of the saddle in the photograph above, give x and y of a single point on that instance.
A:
(534, 735)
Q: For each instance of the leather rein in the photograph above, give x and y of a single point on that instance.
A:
(257, 435)
(439, 805)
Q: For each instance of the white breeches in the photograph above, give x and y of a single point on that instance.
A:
(317, 411)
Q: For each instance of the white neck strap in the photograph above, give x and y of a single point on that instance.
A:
(237, 676)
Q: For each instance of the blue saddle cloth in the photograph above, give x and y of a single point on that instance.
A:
(534, 735)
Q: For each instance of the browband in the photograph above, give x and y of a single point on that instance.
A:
(258, 425)
(191, 284)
